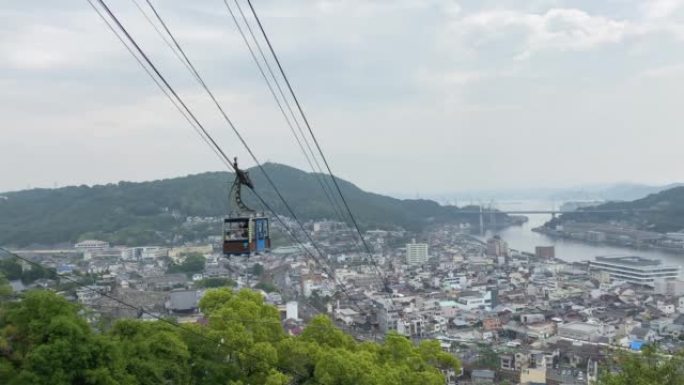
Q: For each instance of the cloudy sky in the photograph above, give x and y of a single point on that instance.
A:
(405, 96)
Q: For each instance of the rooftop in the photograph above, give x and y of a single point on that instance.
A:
(631, 260)
(581, 327)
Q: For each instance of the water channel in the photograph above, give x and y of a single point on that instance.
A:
(524, 239)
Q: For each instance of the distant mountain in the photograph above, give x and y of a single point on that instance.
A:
(615, 192)
(603, 192)
(155, 212)
(666, 212)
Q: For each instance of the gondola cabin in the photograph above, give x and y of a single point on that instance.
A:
(245, 235)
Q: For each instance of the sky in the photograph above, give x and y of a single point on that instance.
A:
(404, 96)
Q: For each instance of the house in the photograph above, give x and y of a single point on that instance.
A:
(491, 323)
(676, 328)
(507, 361)
(481, 376)
(580, 331)
(345, 315)
(166, 282)
(642, 334)
(183, 301)
(17, 286)
(532, 318)
(530, 376)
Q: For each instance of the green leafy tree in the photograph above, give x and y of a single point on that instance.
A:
(647, 368)
(193, 263)
(318, 301)
(257, 270)
(214, 282)
(11, 268)
(43, 340)
(266, 286)
(488, 358)
(5, 288)
(155, 353)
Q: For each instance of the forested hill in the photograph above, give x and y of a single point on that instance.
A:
(152, 212)
(661, 212)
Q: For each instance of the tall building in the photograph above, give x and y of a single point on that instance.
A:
(634, 269)
(416, 253)
(545, 252)
(497, 247)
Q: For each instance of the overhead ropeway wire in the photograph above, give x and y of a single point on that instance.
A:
(230, 123)
(318, 147)
(156, 81)
(180, 55)
(308, 152)
(201, 81)
(191, 117)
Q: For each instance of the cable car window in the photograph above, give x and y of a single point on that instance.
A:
(236, 230)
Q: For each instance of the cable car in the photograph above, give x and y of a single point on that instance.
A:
(245, 235)
(245, 232)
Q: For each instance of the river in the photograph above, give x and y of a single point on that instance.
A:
(524, 239)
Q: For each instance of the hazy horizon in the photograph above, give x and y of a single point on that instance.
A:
(531, 192)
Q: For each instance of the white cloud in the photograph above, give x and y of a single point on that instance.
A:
(434, 77)
(359, 8)
(560, 29)
(41, 47)
(659, 9)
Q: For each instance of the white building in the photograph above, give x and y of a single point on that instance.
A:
(455, 282)
(292, 310)
(146, 253)
(634, 269)
(92, 244)
(475, 301)
(416, 253)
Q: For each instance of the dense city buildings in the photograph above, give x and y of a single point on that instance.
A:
(508, 315)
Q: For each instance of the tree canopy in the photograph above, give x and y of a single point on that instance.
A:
(44, 339)
(193, 263)
(646, 368)
(12, 270)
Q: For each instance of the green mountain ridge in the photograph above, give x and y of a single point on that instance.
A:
(660, 212)
(154, 212)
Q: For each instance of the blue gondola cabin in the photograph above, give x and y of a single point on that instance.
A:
(245, 235)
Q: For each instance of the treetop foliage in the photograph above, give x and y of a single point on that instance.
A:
(649, 367)
(45, 340)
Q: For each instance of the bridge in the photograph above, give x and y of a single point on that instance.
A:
(492, 213)
(551, 212)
